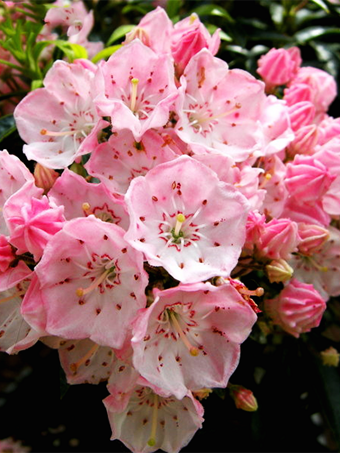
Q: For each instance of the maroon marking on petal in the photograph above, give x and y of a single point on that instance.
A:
(81, 241)
(173, 185)
(181, 265)
(154, 198)
(145, 420)
(142, 239)
(1, 333)
(146, 338)
(233, 124)
(124, 250)
(105, 237)
(179, 192)
(162, 423)
(206, 291)
(118, 307)
(142, 218)
(98, 311)
(81, 302)
(133, 295)
(216, 244)
(70, 347)
(104, 364)
(160, 358)
(130, 153)
(87, 363)
(217, 308)
(129, 412)
(136, 276)
(204, 202)
(121, 368)
(67, 260)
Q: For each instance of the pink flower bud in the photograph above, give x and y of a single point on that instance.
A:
(254, 229)
(244, 398)
(297, 309)
(301, 114)
(188, 38)
(278, 67)
(279, 239)
(297, 92)
(323, 86)
(6, 254)
(329, 128)
(305, 140)
(307, 179)
(313, 237)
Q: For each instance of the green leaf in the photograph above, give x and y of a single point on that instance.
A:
(173, 8)
(212, 10)
(277, 13)
(7, 126)
(223, 35)
(105, 53)
(307, 34)
(321, 4)
(119, 33)
(71, 50)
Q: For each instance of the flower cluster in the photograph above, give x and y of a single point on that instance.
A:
(163, 178)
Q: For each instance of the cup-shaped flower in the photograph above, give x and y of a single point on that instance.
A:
(137, 93)
(218, 108)
(186, 220)
(190, 337)
(91, 283)
(297, 309)
(150, 420)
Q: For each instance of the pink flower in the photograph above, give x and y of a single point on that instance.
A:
(189, 36)
(184, 219)
(301, 114)
(279, 66)
(119, 160)
(297, 92)
(218, 108)
(91, 284)
(190, 337)
(71, 18)
(297, 309)
(31, 220)
(149, 420)
(137, 93)
(60, 122)
(306, 137)
(154, 31)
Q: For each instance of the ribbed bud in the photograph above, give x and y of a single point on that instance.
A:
(330, 357)
(244, 398)
(279, 271)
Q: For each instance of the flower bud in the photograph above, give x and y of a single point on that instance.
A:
(297, 309)
(202, 394)
(305, 140)
(330, 357)
(297, 92)
(279, 271)
(301, 114)
(244, 398)
(279, 239)
(44, 177)
(278, 67)
(313, 237)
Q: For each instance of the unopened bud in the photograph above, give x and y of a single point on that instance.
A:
(313, 237)
(330, 357)
(244, 398)
(279, 271)
(44, 177)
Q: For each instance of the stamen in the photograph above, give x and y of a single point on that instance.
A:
(192, 349)
(75, 365)
(82, 292)
(192, 19)
(57, 134)
(134, 83)
(316, 265)
(86, 207)
(258, 292)
(152, 439)
(13, 296)
(179, 221)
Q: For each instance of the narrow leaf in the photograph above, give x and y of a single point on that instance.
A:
(105, 53)
(119, 33)
(7, 126)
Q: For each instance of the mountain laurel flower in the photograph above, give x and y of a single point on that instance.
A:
(148, 420)
(297, 309)
(92, 284)
(186, 220)
(7, 254)
(190, 337)
(313, 237)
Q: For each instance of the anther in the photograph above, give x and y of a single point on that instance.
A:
(86, 207)
(258, 292)
(75, 365)
(82, 292)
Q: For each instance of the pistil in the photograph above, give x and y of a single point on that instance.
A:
(258, 292)
(134, 84)
(179, 222)
(192, 349)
